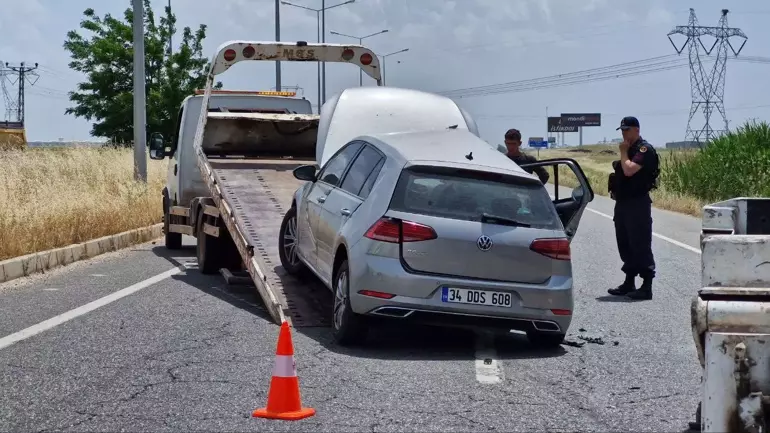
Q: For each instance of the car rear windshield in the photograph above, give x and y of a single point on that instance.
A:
(470, 194)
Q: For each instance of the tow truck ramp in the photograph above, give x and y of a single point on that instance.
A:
(242, 158)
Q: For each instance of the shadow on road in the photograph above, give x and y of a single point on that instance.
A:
(613, 298)
(387, 340)
(243, 297)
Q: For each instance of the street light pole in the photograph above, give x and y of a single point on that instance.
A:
(386, 56)
(277, 39)
(320, 37)
(360, 42)
(140, 115)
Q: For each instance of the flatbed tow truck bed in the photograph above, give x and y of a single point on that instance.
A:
(255, 194)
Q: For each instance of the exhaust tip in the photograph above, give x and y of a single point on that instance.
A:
(541, 325)
(393, 312)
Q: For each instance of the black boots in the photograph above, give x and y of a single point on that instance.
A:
(644, 293)
(628, 289)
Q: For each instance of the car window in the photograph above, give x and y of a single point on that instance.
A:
(361, 169)
(332, 173)
(367, 188)
(467, 195)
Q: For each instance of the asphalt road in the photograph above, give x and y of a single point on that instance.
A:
(186, 353)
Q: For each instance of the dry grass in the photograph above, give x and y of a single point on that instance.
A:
(11, 140)
(61, 196)
(596, 162)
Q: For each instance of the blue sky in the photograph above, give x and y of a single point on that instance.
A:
(452, 44)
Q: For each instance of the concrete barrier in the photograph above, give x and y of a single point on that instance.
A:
(18, 267)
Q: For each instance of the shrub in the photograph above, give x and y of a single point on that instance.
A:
(732, 165)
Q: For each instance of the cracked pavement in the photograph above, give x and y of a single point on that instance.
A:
(191, 354)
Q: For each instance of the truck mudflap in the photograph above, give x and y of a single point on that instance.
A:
(731, 317)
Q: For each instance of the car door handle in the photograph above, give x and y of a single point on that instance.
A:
(320, 199)
(345, 212)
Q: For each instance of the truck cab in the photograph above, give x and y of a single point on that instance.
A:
(183, 179)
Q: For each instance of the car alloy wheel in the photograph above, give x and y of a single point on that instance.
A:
(290, 241)
(340, 299)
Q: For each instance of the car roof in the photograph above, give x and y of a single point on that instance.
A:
(372, 110)
(447, 147)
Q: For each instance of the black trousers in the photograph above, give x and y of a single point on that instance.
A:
(633, 232)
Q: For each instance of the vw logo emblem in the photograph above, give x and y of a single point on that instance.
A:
(484, 243)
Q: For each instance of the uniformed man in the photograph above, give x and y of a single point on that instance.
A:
(513, 144)
(634, 176)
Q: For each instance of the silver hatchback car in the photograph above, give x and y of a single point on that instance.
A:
(436, 227)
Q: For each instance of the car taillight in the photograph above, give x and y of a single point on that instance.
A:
(554, 248)
(387, 230)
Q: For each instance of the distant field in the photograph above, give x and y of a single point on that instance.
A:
(54, 197)
(596, 162)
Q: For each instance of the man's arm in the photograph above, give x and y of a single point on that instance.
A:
(631, 166)
(542, 173)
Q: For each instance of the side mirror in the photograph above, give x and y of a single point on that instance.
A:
(305, 172)
(157, 146)
(578, 193)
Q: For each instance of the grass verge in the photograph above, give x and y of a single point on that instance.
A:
(55, 197)
(596, 162)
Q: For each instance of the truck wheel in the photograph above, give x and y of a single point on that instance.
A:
(288, 245)
(173, 241)
(348, 328)
(208, 251)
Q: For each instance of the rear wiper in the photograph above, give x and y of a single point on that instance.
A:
(486, 218)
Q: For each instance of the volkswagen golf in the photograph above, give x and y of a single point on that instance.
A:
(436, 227)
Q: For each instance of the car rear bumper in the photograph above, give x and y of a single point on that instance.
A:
(418, 298)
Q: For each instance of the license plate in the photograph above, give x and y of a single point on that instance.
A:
(476, 297)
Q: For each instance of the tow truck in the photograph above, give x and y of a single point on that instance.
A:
(230, 178)
(730, 317)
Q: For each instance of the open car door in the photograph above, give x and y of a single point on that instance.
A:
(570, 207)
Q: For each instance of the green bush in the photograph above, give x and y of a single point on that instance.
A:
(732, 165)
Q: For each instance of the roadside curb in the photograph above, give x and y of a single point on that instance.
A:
(23, 266)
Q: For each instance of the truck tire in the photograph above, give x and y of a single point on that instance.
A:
(288, 255)
(208, 250)
(173, 241)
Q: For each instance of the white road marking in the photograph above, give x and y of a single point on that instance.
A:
(489, 370)
(84, 309)
(97, 275)
(659, 236)
(51, 289)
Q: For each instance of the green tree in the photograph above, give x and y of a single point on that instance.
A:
(107, 59)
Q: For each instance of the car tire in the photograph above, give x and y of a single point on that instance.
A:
(348, 328)
(207, 250)
(545, 340)
(286, 253)
(173, 241)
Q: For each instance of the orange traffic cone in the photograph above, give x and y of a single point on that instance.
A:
(283, 400)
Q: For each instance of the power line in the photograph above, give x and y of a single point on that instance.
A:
(621, 70)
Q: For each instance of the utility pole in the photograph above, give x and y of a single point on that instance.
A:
(278, 39)
(23, 72)
(140, 113)
(170, 29)
(318, 31)
(707, 88)
(360, 42)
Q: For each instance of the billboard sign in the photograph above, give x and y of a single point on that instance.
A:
(538, 142)
(581, 119)
(555, 124)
